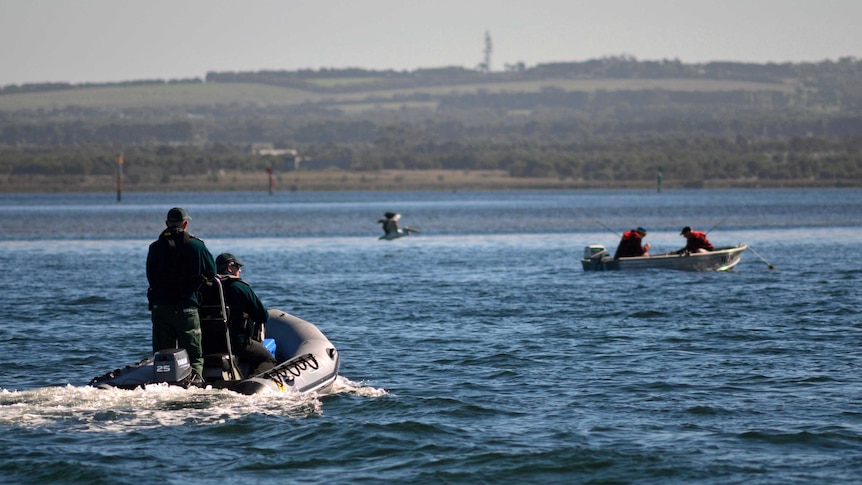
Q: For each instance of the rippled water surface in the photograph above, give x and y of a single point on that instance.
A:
(476, 351)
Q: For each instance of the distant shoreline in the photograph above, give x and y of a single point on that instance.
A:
(386, 180)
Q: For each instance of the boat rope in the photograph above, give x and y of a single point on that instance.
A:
(289, 370)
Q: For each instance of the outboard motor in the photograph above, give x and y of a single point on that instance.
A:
(593, 259)
(594, 251)
(171, 365)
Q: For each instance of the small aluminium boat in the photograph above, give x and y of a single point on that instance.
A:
(596, 258)
(307, 360)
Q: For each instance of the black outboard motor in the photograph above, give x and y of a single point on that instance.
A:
(171, 365)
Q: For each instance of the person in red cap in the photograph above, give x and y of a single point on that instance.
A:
(630, 244)
(696, 241)
(178, 263)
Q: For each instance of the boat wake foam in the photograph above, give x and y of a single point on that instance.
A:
(87, 408)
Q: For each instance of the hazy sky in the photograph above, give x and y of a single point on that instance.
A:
(120, 40)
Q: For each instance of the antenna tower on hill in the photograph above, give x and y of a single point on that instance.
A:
(485, 66)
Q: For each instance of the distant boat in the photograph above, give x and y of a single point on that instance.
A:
(596, 258)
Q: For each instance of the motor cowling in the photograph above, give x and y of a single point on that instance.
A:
(171, 365)
(594, 251)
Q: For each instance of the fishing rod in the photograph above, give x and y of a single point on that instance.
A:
(719, 223)
(768, 264)
(606, 227)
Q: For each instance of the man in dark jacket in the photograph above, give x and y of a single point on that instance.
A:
(630, 244)
(247, 313)
(178, 263)
(696, 242)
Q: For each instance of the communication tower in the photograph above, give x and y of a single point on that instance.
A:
(485, 66)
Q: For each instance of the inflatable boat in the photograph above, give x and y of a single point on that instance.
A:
(307, 360)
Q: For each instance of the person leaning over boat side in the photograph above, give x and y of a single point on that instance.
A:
(630, 244)
(246, 314)
(696, 241)
(178, 263)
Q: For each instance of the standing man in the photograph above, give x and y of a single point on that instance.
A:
(695, 241)
(178, 263)
(247, 314)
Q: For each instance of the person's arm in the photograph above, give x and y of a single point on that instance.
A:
(257, 311)
(149, 266)
(208, 267)
(252, 306)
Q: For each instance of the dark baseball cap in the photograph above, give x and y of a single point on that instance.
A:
(178, 214)
(685, 230)
(224, 259)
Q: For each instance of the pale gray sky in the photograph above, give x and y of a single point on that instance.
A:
(119, 40)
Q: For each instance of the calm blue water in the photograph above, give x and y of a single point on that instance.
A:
(477, 351)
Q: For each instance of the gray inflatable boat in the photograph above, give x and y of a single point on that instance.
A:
(307, 361)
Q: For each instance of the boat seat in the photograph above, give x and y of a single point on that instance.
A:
(220, 364)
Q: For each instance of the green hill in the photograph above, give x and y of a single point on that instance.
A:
(612, 121)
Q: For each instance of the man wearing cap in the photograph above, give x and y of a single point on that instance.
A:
(696, 242)
(178, 263)
(247, 313)
(630, 244)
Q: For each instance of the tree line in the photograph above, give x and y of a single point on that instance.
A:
(810, 132)
(692, 160)
(841, 74)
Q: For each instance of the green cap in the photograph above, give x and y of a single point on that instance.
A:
(178, 214)
(224, 259)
